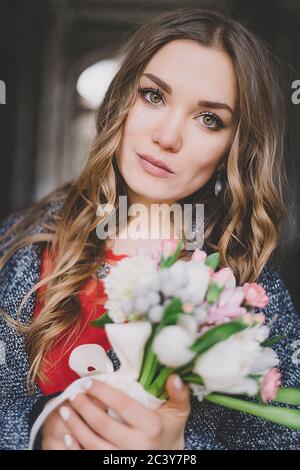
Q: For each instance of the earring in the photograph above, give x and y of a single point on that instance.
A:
(218, 184)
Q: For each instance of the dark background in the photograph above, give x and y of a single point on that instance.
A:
(46, 44)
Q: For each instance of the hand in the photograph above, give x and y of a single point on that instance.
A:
(55, 432)
(90, 427)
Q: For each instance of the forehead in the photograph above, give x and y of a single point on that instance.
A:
(202, 72)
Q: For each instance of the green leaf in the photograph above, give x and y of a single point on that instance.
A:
(213, 261)
(167, 262)
(273, 340)
(213, 293)
(192, 378)
(287, 417)
(102, 321)
(172, 311)
(217, 334)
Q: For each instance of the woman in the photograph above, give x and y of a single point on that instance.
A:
(196, 92)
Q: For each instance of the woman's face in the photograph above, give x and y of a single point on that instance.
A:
(178, 126)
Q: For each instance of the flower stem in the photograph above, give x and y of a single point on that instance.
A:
(283, 416)
(158, 386)
(150, 363)
(288, 395)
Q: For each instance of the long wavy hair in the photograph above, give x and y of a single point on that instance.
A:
(243, 223)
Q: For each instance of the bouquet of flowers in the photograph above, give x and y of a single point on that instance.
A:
(166, 315)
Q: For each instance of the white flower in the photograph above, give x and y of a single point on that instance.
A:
(187, 280)
(201, 313)
(127, 278)
(171, 345)
(266, 360)
(189, 323)
(199, 391)
(226, 366)
(116, 313)
(245, 386)
(155, 313)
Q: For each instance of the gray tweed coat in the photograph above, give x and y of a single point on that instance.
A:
(209, 426)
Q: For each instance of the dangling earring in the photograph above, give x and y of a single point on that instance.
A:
(218, 184)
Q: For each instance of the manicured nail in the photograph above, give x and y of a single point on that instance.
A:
(178, 384)
(87, 384)
(64, 413)
(72, 397)
(68, 440)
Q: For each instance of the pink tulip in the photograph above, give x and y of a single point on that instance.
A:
(199, 255)
(270, 383)
(152, 254)
(227, 307)
(255, 295)
(168, 247)
(224, 277)
(249, 318)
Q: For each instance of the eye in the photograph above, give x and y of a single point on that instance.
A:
(154, 92)
(211, 120)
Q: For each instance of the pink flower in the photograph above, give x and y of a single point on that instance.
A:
(270, 383)
(228, 306)
(224, 277)
(187, 307)
(168, 247)
(210, 272)
(249, 318)
(260, 318)
(199, 255)
(152, 254)
(255, 295)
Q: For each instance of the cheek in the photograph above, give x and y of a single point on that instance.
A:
(201, 164)
(138, 121)
(211, 149)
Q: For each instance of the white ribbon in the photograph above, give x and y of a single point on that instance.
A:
(128, 340)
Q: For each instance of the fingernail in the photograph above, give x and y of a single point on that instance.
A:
(178, 384)
(68, 440)
(87, 384)
(64, 413)
(72, 397)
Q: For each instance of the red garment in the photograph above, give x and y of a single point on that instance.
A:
(92, 298)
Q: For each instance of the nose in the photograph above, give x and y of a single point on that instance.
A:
(168, 134)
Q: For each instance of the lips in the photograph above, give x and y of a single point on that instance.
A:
(156, 162)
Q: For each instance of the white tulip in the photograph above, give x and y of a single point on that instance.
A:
(225, 367)
(266, 360)
(171, 346)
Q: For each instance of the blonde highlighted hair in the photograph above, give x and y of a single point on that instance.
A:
(242, 223)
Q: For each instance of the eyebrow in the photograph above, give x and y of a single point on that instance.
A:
(204, 103)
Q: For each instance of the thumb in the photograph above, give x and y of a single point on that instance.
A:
(179, 396)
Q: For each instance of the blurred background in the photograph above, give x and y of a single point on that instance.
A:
(57, 58)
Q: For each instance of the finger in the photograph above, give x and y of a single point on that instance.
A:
(126, 407)
(179, 396)
(71, 443)
(101, 422)
(83, 434)
(67, 443)
(53, 444)
(96, 401)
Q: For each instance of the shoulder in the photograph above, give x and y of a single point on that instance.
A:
(22, 270)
